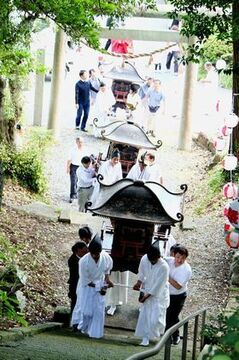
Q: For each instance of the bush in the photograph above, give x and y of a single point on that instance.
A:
(27, 165)
(28, 170)
(223, 333)
(11, 281)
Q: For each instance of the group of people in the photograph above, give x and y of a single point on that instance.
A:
(83, 170)
(162, 287)
(144, 103)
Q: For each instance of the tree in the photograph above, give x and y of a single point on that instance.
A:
(203, 18)
(78, 18)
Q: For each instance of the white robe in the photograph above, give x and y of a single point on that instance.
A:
(110, 173)
(118, 295)
(152, 316)
(89, 311)
(135, 173)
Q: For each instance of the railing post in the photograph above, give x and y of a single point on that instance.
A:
(195, 334)
(185, 340)
(203, 324)
(167, 349)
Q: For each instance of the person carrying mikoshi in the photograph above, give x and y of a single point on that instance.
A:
(179, 275)
(154, 295)
(79, 249)
(85, 174)
(94, 270)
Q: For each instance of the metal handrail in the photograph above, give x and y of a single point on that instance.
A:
(166, 338)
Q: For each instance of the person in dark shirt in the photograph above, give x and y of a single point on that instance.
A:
(82, 100)
(79, 250)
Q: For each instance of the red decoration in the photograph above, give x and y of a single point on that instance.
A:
(230, 190)
(121, 46)
(233, 213)
(225, 131)
(228, 227)
(232, 239)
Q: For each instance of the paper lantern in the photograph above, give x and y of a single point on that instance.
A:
(221, 64)
(230, 190)
(225, 131)
(220, 144)
(232, 239)
(231, 120)
(230, 162)
(233, 213)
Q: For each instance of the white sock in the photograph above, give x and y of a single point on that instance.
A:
(111, 310)
(145, 341)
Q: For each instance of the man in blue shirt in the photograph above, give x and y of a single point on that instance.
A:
(155, 98)
(82, 100)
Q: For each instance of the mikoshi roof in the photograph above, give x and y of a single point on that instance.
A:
(138, 200)
(127, 72)
(127, 132)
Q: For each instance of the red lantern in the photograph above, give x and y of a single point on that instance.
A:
(233, 213)
(230, 190)
(232, 239)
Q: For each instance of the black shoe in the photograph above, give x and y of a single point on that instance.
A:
(77, 128)
(176, 340)
(84, 130)
(74, 328)
(71, 201)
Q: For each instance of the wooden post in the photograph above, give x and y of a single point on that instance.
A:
(185, 133)
(39, 90)
(57, 78)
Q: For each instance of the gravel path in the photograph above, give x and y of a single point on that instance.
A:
(207, 249)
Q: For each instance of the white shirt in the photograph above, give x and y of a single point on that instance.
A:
(135, 173)
(110, 173)
(75, 155)
(85, 176)
(182, 274)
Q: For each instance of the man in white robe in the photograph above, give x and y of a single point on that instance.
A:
(154, 295)
(103, 104)
(111, 171)
(139, 171)
(94, 270)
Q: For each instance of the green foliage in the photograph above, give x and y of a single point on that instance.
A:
(214, 49)
(11, 280)
(225, 80)
(27, 165)
(210, 190)
(27, 169)
(202, 24)
(216, 180)
(223, 333)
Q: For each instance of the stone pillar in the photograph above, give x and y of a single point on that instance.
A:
(185, 134)
(39, 90)
(56, 82)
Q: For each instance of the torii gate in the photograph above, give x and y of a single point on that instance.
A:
(185, 134)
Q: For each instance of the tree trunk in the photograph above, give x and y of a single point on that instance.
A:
(2, 130)
(235, 90)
